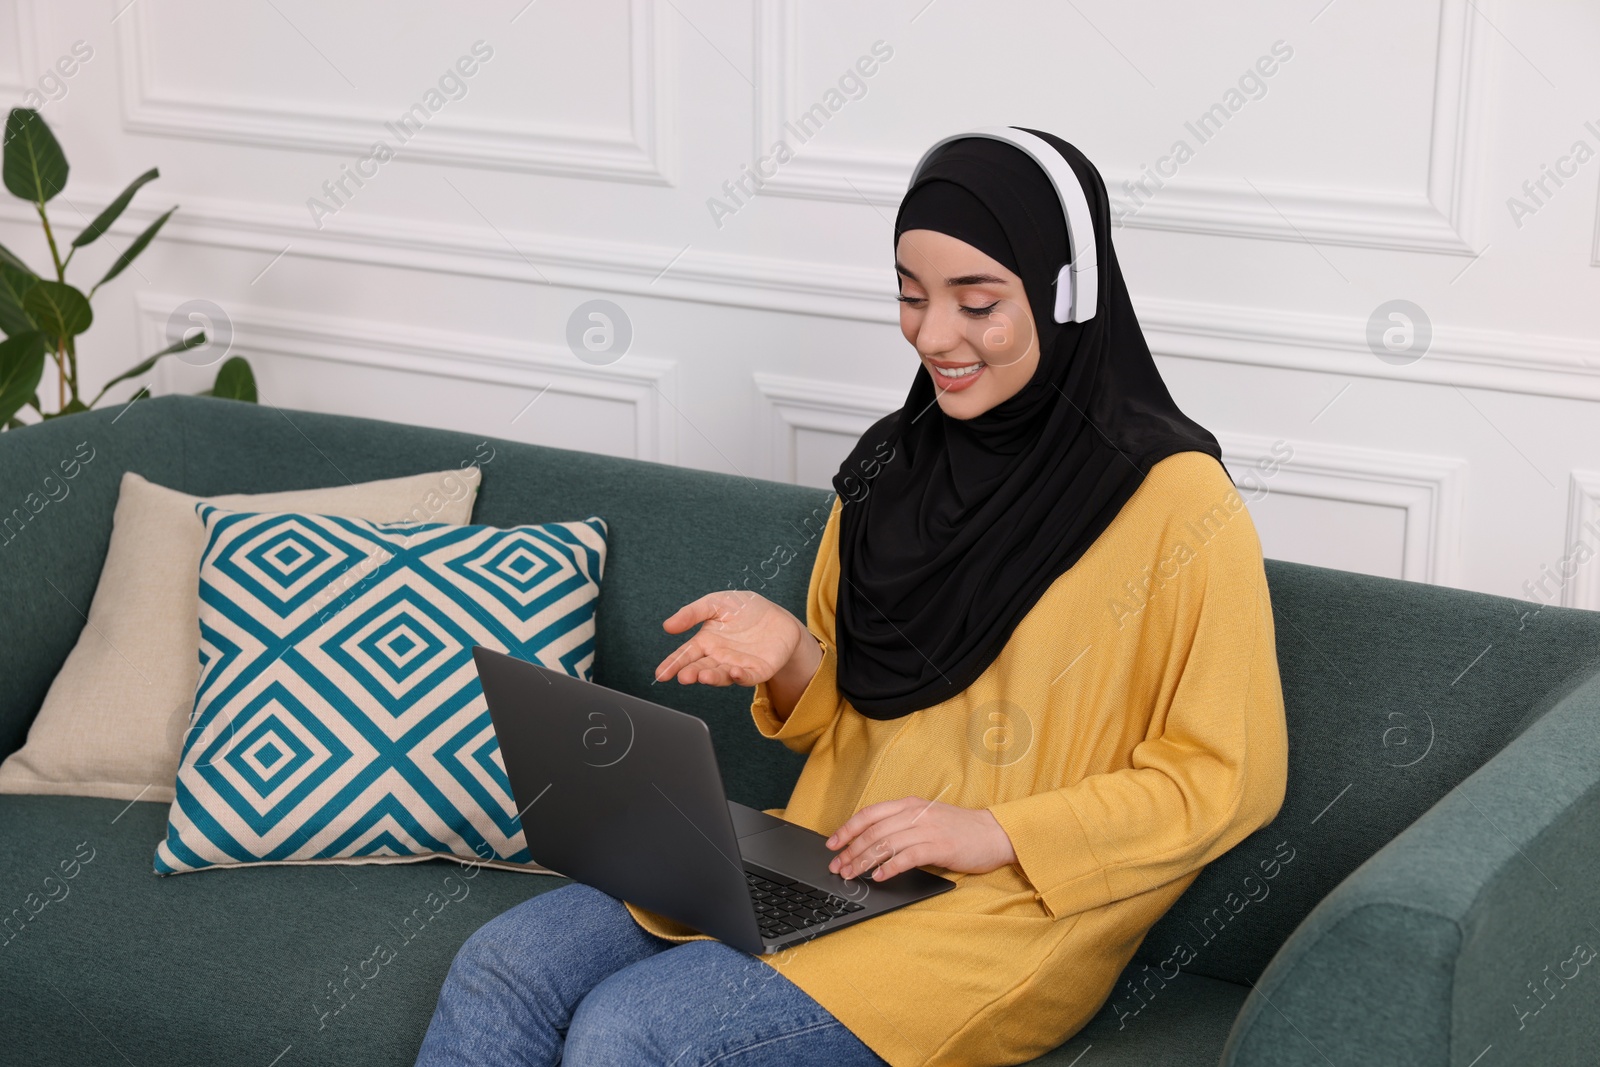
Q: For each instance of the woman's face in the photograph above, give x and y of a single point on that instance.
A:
(968, 318)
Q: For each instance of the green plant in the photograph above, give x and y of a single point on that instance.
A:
(43, 318)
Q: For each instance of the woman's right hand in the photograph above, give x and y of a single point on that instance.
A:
(744, 639)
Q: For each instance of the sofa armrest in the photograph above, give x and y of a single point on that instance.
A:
(1474, 930)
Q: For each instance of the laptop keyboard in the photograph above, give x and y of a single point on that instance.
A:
(784, 905)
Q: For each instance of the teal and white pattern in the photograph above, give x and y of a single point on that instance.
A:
(339, 714)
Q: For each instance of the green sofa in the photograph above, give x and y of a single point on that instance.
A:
(1429, 893)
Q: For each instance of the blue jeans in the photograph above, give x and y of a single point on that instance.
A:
(569, 977)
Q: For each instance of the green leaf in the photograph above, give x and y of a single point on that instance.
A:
(21, 366)
(34, 166)
(235, 381)
(102, 222)
(14, 285)
(144, 365)
(59, 309)
(10, 260)
(134, 249)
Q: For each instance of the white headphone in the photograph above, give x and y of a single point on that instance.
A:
(1078, 283)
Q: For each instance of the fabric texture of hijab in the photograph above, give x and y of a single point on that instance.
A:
(946, 545)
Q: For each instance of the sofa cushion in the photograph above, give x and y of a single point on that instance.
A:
(220, 967)
(242, 966)
(339, 715)
(1148, 1021)
(115, 717)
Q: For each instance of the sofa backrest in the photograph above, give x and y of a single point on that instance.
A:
(1395, 691)
(674, 534)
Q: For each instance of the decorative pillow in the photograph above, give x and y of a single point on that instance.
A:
(114, 719)
(339, 716)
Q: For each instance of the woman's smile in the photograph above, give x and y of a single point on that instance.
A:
(953, 377)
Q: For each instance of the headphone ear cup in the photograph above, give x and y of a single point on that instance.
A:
(1066, 294)
(1085, 290)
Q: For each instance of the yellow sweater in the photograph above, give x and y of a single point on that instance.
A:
(1130, 732)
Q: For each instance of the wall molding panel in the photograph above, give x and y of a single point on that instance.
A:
(1428, 489)
(1583, 520)
(645, 383)
(1533, 364)
(817, 173)
(1438, 218)
(640, 153)
(762, 283)
(787, 406)
(18, 18)
(1594, 249)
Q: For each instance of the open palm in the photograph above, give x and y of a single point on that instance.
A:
(744, 639)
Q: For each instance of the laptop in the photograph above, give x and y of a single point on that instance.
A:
(624, 795)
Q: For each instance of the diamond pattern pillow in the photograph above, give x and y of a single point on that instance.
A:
(338, 715)
(113, 721)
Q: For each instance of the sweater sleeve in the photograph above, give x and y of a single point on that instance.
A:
(1214, 773)
(821, 702)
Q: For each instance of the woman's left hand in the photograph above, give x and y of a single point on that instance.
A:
(896, 835)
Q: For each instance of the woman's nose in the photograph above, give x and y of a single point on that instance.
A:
(940, 331)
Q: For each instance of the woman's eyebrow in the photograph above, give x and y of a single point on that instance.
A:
(965, 279)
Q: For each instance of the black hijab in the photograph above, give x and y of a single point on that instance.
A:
(944, 547)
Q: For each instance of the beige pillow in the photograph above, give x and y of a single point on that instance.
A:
(113, 722)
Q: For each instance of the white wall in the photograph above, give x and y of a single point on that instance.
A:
(1374, 164)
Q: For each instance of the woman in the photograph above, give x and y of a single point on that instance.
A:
(1038, 659)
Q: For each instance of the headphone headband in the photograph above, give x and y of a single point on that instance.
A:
(1078, 282)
